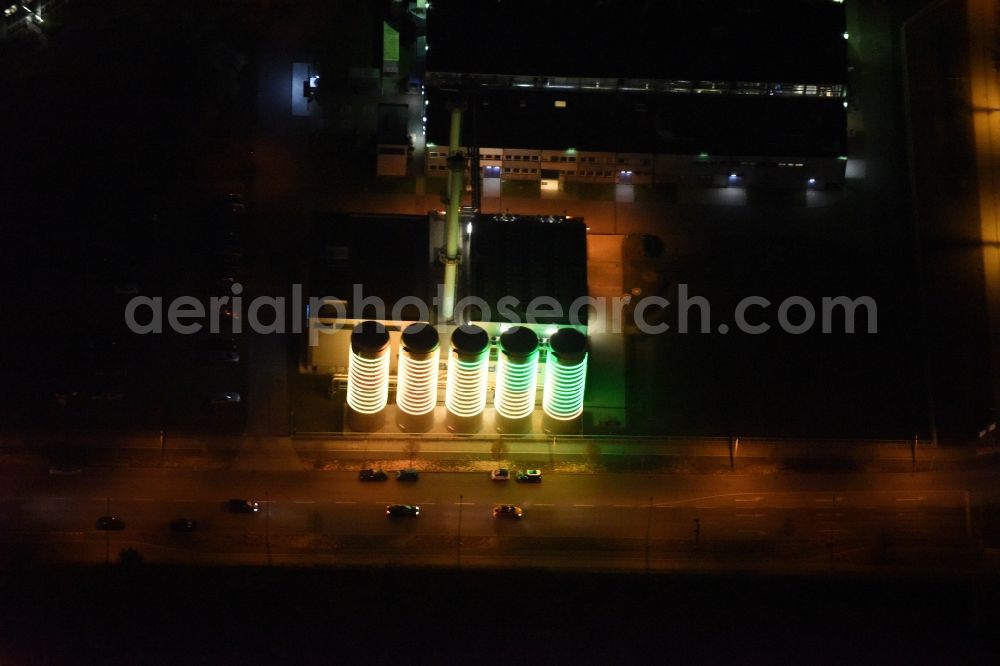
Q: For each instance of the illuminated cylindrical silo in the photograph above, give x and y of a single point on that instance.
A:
(517, 372)
(565, 380)
(417, 378)
(468, 374)
(368, 376)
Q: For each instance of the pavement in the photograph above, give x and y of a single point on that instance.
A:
(783, 522)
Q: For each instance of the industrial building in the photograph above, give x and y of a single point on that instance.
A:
(397, 361)
(679, 93)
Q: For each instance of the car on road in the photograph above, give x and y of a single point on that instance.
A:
(221, 356)
(183, 525)
(242, 506)
(221, 350)
(408, 474)
(126, 288)
(507, 511)
(529, 476)
(372, 475)
(394, 510)
(227, 398)
(110, 523)
(65, 470)
(502, 474)
(234, 204)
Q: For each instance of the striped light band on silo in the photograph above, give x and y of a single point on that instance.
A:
(419, 357)
(565, 375)
(562, 394)
(468, 372)
(368, 371)
(465, 392)
(517, 373)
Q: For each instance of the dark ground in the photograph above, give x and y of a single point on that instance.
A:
(112, 123)
(249, 616)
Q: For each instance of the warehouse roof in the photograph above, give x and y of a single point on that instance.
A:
(526, 257)
(735, 40)
(645, 123)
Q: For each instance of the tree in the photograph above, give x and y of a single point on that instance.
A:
(129, 558)
(499, 449)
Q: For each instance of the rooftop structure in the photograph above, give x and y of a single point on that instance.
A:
(747, 93)
(717, 40)
(525, 257)
(550, 119)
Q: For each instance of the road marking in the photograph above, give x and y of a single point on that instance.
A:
(427, 503)
(465, 504)
(704, 507)
(584, 506)
(539, 504)
(751, 515)
(909, 499)
(709, 497)
(749, 499)
(348, 502)
(304, 502)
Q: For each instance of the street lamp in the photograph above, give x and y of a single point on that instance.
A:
(458, 561)
(649, 525)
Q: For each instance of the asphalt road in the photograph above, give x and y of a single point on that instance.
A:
(778, 521)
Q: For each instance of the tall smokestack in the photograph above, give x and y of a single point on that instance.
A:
(456, 187)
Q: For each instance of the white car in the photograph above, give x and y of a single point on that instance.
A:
(502, 474)
(529, 476)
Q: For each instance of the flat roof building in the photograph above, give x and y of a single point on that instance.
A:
(717, 40)
(754, 89)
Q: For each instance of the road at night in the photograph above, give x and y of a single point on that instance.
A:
(773, 522)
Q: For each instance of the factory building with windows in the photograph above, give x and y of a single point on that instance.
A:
(615, 92)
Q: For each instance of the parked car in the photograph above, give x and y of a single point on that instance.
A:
(219, 356)
(221, 350)
(529, 476)
(110, 523)
(393, 510)
(372, 475)
(108, 395)
(234, 204)
(408, 474)
(507, 511)
(502, 474)
(126, 288)
(242, 506)
(65, 470)
(227, 398)
(183, 525)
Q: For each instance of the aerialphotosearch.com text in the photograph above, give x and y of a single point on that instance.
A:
(753, 315)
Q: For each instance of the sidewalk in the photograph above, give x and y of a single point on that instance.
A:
(450, 452)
